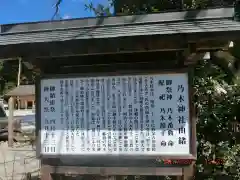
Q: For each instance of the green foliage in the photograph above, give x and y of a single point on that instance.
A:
(218, 104)
(127, 7)
(8, 75)
(99, 10)
(237, 10)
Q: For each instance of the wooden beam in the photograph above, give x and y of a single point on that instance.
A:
(112, 171)
(212, 45)
(175, 42)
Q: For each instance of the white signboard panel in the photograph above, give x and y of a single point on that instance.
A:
(116, 115)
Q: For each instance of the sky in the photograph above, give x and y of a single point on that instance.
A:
(19, 11)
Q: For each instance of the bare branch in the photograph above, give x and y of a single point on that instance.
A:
(58, 3)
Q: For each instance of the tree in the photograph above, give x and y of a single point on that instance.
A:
(217, 93)
(217, 102)
(7, 80)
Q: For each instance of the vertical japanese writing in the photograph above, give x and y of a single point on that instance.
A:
(66, 104)
(166, 117)
(103, 111)
(72, 108)
(116, 115)
(132, 115)
(162, 111)
(50, 122)
(62, 107)
(87, 115)
(103, 101)
(152, 102)
(181, 108)
(170, 123)
(122, 122)
(53, 120)
(98, 114)
(138, 116)
(112, 132)
(109, 119)
(139, 125)
(50, 142)
(169, 112)
(168, 94)
(93, 116)
(81, 120)
(147, 114)
(61, 102)
(127, 116)
(77, 109)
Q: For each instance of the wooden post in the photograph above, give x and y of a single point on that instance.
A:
(25, 104)
(19, 71)
(105, 177)
(109, 178)
(179, 178)
(33, 105)
(19, 79)
(45, 175)
(10, 121)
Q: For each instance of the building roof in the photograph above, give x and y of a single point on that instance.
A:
(211, 20)
(22, 90)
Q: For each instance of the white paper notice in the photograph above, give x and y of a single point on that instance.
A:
(118, 115)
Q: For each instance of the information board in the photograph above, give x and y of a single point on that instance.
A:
(115, 115)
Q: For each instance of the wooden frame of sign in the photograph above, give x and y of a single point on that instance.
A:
(112, 165)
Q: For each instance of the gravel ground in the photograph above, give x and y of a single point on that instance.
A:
(16, 162)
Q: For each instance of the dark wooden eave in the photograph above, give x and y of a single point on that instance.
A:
(162, 31)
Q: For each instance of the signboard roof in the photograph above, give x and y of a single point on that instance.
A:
(211, 20)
